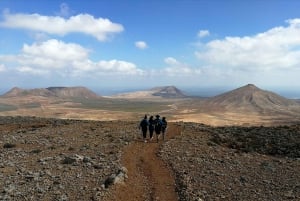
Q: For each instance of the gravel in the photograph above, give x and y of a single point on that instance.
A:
(57, 159)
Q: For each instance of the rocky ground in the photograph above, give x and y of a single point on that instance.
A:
(235, 163)
(51, 159)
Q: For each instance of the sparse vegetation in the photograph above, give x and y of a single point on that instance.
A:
(68, 160)
(9, 145)
(31, 105)
(121, 105)
(36, 151)
(6, 107)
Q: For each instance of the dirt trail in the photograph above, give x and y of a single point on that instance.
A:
(148, 176)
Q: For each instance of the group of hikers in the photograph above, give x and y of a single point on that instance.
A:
(157, 125)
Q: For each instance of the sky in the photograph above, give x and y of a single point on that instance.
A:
(110, 44)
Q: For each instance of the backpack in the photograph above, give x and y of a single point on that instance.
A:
(158, 125)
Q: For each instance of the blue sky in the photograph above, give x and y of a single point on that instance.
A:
(107, 44)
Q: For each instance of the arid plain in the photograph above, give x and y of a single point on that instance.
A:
(67, 143)
(247, 105)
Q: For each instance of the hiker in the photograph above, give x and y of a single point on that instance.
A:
(151, 127)
(157, 127)
(144, 126)
(164, 127)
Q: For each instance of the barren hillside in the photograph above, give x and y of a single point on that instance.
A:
(53, 159)
(73, 92)
(60, 92)
(247, 105)
(251, 98)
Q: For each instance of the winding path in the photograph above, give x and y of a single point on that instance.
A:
(149, 179)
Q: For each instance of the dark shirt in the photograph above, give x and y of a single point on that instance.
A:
(144, 124)
(151, 124)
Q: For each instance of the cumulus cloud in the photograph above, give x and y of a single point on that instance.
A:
(62, 58)
(100, 28)
(110, 67)
(203, 33)
(141, 44)
(275, 49)
(176, 68)
(56, 50)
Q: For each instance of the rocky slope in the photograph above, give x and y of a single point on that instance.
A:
(52, 159)
(236, 163)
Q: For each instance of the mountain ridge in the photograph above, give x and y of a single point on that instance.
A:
(60, 92)
(245, 105)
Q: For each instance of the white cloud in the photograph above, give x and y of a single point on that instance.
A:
(275, 49)
(100, 28)
(65, 59)
(56, 50)
(171, 61)
(2, 68)
(111, 67)
(30, 70)
(176, 68)
(141, 44)
(203, 33)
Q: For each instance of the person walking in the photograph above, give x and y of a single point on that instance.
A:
(164, 127)
(157, 127)
(151, 127)
(144, 126)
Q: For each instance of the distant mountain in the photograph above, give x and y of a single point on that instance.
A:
(14, 92)
(60, 92)
(251, 98)
(72, 92)
(17, 92)
(167, 92)
(154, 93)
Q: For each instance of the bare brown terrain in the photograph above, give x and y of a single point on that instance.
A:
(149, 177)
(68, 144)
(247, 105)
(53, 159)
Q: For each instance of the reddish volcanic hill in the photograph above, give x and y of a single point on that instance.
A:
(251, 98)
